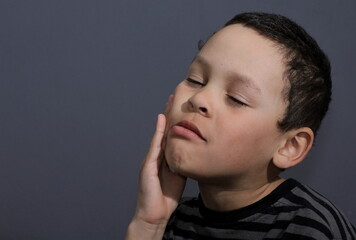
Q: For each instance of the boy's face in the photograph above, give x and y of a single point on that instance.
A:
(233, 95)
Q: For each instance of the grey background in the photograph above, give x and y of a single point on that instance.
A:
(81, 83)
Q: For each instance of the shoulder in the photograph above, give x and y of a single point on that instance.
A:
(312, 214)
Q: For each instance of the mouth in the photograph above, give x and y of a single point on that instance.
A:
(188, 129)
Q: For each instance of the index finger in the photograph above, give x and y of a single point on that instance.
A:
(155, 147)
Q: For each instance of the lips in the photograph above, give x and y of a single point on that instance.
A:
(189, 130)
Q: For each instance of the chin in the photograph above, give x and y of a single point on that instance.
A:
(177, 167)
(172, 162)
(180, 160)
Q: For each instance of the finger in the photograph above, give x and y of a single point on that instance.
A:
(155, 147)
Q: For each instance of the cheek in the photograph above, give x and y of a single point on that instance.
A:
(179, 91)
(247, 139)
(179, 102)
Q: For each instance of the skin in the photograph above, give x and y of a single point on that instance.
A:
(236, 63)
(233, 94)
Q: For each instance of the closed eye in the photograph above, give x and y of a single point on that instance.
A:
(236, 101)
(196, 82)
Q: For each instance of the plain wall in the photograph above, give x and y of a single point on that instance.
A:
(81, 83)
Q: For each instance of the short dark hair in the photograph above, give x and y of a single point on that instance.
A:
(308, 92)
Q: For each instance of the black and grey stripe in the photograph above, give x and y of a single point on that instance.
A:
(291, 211)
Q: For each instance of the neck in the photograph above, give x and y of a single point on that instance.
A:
(216, 197)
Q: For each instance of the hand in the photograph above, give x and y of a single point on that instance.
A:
(159, 188)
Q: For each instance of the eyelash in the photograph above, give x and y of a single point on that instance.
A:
(234, 100)
(195, 82)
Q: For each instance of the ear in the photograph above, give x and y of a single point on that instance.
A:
(293, 148)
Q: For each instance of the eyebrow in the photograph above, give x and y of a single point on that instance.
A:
(233, 76)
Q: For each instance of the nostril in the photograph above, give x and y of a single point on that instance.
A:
(203, 109)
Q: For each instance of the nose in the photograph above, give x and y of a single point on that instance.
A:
(199, 103)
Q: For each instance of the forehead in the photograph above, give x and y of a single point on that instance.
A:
(241, 51)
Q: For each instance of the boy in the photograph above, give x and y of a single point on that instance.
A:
(250, 106)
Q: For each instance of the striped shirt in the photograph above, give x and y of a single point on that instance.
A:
(291, 211)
